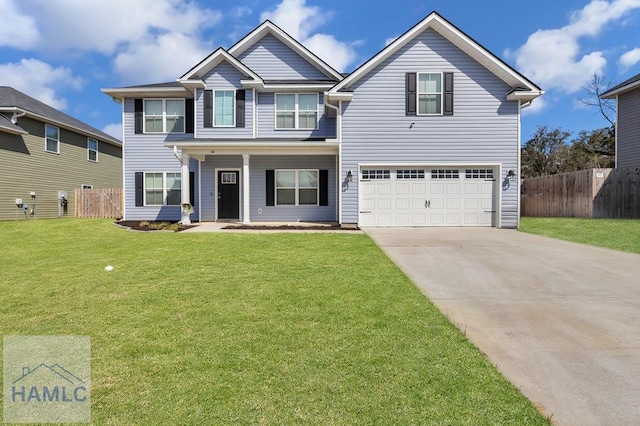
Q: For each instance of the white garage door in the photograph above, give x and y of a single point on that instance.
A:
(426, 196)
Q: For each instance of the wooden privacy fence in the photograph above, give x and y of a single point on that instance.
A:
(99, 203)
(603, 193)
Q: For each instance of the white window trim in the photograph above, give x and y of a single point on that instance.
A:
(296, 188)
(213, 119)
(418, 93)
(295, 113)
(46, 138)
(164, 189)
(164, 115)
(89, 149)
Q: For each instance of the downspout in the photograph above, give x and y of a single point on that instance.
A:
(16, 115)
(175, 152)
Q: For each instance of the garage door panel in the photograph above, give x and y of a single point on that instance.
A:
(425, 196)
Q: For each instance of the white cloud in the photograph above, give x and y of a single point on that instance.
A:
(104, 25)
(39, 80)
(537, 106)
(16, 29)
(552, 58)
(300, 21)
(114, 129)
(630, 58)
(164, 58)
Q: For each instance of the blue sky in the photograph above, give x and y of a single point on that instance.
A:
(64, 51)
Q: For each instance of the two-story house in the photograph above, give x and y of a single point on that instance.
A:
(627, 96)
(425, 133)
(46, 155)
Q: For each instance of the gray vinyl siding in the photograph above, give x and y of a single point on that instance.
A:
(25, 166)
(146, 153)
(257, 171)
(273, 60)
(267, 115)
(224, 77)
(483, 129)
(628, 131)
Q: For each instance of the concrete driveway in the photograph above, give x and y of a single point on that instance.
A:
(560, 320)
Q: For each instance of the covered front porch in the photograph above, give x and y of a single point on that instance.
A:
(247, 182)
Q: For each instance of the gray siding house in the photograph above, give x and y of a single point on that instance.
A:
(627, 96)
(425, 133)
(49, 153)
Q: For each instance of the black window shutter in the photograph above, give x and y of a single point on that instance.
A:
(188, 115)
(324, 187)
(208, 108)
(240, 109)
(271, 190)
(448, 93)
(139, 189)
(138, 115)
(410, 86)
(192, 186)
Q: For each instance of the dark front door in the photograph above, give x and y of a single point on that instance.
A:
(228, 194)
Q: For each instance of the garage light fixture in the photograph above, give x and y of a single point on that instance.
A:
(349, 176)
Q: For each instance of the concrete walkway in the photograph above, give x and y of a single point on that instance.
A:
(560, 320)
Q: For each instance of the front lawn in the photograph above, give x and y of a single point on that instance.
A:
(617, 234)
(228, 328)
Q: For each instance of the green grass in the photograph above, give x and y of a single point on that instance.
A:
(247, 328)
(617, 234)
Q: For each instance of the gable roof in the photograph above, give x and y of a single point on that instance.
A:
(625, 86)
(523, 88)
(268, 27)
(166, 89)
(12, 100)
(214, 59)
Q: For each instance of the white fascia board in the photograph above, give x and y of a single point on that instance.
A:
(455, 36)
(338, 96)
(192, 85)
(614, 94)
(268, 27)
(12, 130)
(524, 95)
(141, 92)
(265, 148)
(212, 61)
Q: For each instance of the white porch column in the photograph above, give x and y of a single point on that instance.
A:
(185, 196)
(246, 206)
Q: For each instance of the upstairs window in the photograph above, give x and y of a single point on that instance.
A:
(52, 139)
(429, 93)
(224, 107)
(92, 150)
(164, 115)
(296, 111)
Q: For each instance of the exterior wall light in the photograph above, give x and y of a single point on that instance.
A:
(349, 176)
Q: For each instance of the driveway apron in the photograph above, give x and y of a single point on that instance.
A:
(560, 320)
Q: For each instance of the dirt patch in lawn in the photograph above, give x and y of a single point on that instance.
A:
(153, 225)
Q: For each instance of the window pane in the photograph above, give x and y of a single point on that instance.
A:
(175, 124)
(307, 120)
(285, 120)
(93, 155)
(173, 180)
(92, 145)
(153, 181)
(286, 197)
(52, 132)
(429, 83)
(429, 104)
(52, 145)
(308, 102)
(286, 179)
(285, 102)
(308, 197)
(175, 107)
(224, 107)
(153, 125)
(173, 197)
(308, 179)
(154, 197)
(153, 107)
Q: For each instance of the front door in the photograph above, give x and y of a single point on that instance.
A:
(228, 194)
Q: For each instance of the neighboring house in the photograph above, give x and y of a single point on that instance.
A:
(48, 153)
(425, 133)
(627, 96)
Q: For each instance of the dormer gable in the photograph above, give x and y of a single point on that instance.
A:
(193, 77)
